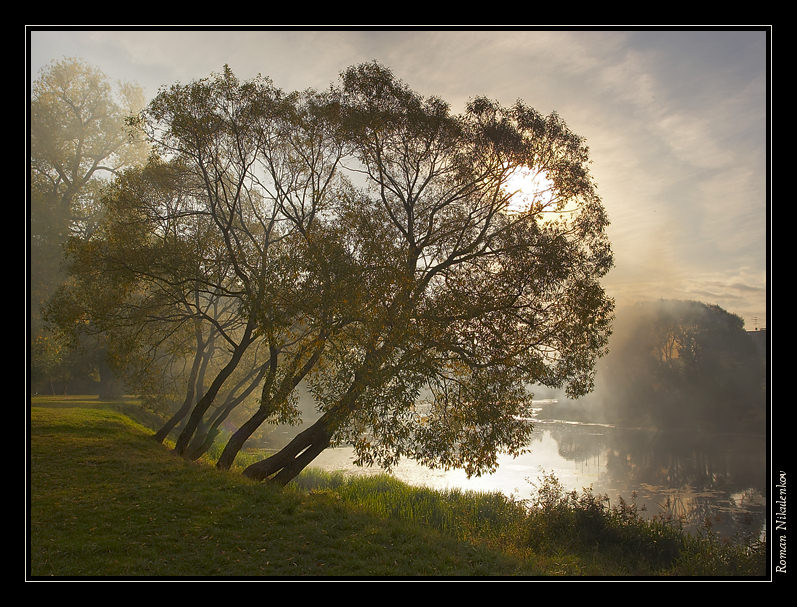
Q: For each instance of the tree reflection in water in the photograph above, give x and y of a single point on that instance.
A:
(713, 480)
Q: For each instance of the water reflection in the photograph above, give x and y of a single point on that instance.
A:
(716, 480)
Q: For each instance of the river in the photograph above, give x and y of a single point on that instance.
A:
(715, 479)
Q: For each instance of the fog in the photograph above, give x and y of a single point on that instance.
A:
(674, 364)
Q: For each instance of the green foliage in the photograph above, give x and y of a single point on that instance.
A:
(582, 528)
(586, 524)
(461, 514)
(364, 237)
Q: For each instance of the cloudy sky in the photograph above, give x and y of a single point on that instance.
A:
(676, 122)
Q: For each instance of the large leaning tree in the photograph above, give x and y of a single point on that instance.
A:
(419, 270)
(472, 287)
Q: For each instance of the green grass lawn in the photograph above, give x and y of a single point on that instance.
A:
(108, 501)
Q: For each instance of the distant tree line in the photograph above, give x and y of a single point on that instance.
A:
(679, 364)
(78, 142)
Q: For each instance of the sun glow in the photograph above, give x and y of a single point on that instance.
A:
(529, 189)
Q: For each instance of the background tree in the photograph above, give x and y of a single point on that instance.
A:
(78, 140)
(682, 364)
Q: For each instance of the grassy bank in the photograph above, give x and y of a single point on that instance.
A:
(106, 500)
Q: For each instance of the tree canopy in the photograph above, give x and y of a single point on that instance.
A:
(375, 247)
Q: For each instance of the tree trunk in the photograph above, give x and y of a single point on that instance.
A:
(204, 438)
(196, 446)
(200, 445)
(175, 419)
(237, 440)
(110, 386)
(207, 399)
(267, 407)
(164, 431)
(286, 464)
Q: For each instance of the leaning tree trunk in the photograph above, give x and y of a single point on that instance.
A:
(175, 419)
(207, 399)
(200, 444)
(268, 404)
(196, 447)
(170, 424)
(288, 462)
(241, 435)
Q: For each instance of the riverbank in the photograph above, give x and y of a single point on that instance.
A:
(108, 501)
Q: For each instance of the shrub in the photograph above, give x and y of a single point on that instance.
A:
(585, 522)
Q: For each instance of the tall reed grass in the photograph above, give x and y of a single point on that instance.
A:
(550, 521)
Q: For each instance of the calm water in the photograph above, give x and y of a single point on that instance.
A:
(715, 478)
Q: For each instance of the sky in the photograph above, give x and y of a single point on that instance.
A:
(676, 121)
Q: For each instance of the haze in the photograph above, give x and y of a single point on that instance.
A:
(676, 122)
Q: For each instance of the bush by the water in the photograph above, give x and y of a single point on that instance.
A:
(552, 521)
